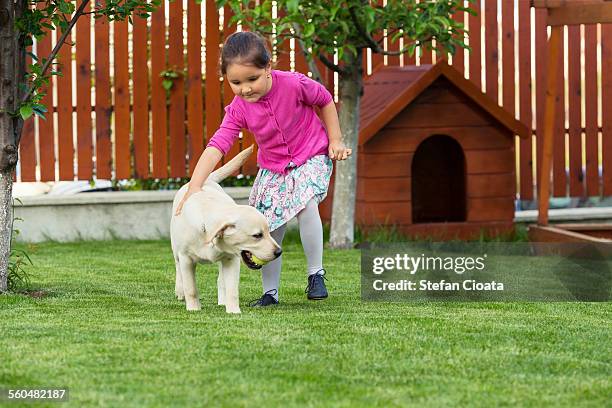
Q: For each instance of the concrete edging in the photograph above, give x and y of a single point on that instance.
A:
(101, 215)
(146, 215)
(590, 214)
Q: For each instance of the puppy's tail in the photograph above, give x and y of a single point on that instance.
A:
(231, 166)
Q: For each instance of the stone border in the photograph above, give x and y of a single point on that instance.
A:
(146, 215)
(139, 215)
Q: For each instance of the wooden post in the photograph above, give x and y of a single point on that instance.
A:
(561, 12)
(554, 47)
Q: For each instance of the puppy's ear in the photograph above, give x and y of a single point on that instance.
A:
(226, 229)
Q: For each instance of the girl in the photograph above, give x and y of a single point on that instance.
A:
(278, 108)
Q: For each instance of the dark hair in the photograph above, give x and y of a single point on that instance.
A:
(245, 47)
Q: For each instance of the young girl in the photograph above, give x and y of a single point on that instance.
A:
(294, 156)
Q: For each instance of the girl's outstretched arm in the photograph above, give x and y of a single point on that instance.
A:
(337, 150)
(206, 164)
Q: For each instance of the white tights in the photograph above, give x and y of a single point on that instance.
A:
(311, 235)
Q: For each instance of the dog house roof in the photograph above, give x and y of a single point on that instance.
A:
(390, 89)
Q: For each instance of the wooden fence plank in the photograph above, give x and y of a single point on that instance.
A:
(83, 94)
(103, 101)
(540, 79)
(158, 94)
(46, 127)
(559, 187)
(377, 59)
(525, 86)
(228, 95)
(392, 46)
(65, 143)
(327, 76)
(122, 100)
(459, 56)
(491, 50)
(301, 65)
(212, 85)
(508, 70)
(195, 121)
(554, 48)
(27, 152)
(27, 145)
(140, 79)
(283, 50)
(250, 165)
(575, 129)
(283, 58)
(408, 59)
(606, 88)
(425, 56)
(590, 110)
(177, 93)
(474, 22)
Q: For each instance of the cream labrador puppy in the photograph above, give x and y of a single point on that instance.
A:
(213, 228)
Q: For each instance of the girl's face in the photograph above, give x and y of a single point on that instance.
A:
(248, 82)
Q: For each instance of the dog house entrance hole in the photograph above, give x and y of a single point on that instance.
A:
(438, 181)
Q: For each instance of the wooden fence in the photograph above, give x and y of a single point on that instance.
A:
(110, 117)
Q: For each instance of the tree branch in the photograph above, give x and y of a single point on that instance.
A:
(311, 64)
(374, 45)
(57, 47)
(331, 65)
(366, 36)
(389, 34)
(405, 49)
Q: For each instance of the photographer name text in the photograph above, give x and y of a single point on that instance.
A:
(441, 285)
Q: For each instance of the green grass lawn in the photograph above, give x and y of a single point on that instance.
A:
(112, 331)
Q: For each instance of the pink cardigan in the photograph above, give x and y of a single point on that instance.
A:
(284, 122)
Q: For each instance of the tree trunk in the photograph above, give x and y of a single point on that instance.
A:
(6, 225)
(9, 64)
(342, 232)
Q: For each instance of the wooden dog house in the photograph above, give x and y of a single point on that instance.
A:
(436, 156)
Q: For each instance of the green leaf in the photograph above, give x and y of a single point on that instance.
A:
(334, 11)
(293, 6)
(64, 7)
(39, 108)
(309, 30)
(167, 84)
(26, 111)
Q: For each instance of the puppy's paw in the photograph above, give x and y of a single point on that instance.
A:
(193, 305)
(234, 310)
(180, 296)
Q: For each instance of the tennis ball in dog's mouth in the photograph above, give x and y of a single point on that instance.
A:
(258, 261)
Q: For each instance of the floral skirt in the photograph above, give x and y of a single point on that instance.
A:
(279, 197)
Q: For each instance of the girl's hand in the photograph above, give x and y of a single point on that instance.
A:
(337, 151)
(180, 205)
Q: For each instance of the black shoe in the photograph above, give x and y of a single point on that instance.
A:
(316, 289)
(266, 300)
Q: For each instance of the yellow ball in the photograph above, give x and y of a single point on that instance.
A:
(257, 260)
